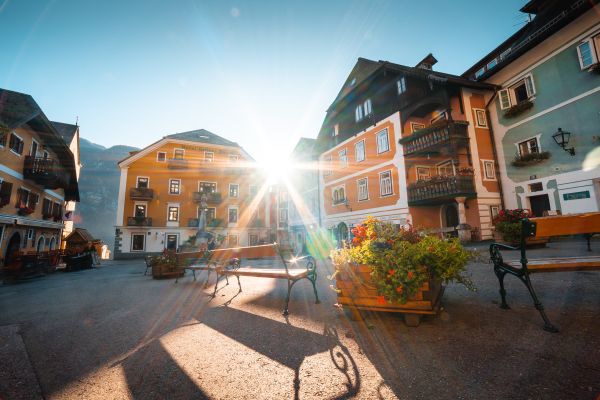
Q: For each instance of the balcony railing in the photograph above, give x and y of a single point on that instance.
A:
(141, 194)
(177, 163)
(211, 198)
(432, 139)
(440, 189)
(45, 172)
(139, 221)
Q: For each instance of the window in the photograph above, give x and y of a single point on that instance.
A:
(489, 171)
(339, 195)
(358, 113)
(327, 166)
(401, 85)
(178, 154)
(383, 143)
(368, 107)
(492, 64)
(529, 146)
(207, 187)
(233, 215)
(359, 151)
(445, 169)
(29, 234)
(363, 189)
(253, 190)
(232, 240)
(423, 173)
(16, 144)
(415, 126)
(46, 155)
(173, 214)
(233, 158)
(536, 187)
(46, 208)
(521, 91)
(385, 183)
(140, 210)
(209, 156)
(494, 211)
(174, 186)
(283, 215)
(234, 190)
(34, 148)
(440, 117)
(5, 192)
(161, 156)
(3, 136)
(137, 242)
(171, 242)
(480, 118)
(480, 72)
(142, 182)
(343, 158)
(210, 213)
(587, 54)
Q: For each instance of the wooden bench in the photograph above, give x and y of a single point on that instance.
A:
(202, 260)
(229, 262)
(545, 226)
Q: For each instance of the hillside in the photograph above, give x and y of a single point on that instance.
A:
(99, 188)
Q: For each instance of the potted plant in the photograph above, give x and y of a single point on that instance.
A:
(387, 268)
(165, 266)
(518, 108)
(530, 158)
(507, 226)
(24, 210)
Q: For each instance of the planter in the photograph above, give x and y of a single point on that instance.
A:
(162, 271)
(529, 242)
(356, 292)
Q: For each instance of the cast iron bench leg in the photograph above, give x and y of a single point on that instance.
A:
(287, 298)
(500, 274)
(239, 284)
(313, 280)
(538, 305)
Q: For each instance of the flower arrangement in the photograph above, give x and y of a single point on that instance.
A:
(24, 209)
(518, 108)
(466, 171)
(508, 223)
(402, 259)
(167, 261)
(530, 158)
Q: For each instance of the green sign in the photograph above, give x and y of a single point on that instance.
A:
(577, 195)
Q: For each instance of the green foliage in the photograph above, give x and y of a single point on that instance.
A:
(403, 259)
(530, 158)
(510, 231)
(167, 260)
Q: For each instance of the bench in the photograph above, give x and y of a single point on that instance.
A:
(203, 260)
(229, 263)
(545, 226)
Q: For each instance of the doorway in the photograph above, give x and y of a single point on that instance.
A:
(539, 204)
(12, 248)
(342, 233)
(172, 242)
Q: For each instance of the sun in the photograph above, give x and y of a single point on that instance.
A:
(276, 167)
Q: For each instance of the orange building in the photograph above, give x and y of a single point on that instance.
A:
(409, 145)
(165, 186)
(38, 175)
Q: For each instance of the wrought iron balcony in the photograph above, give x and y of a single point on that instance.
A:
(432, 139)
(139, 221)
(45, 172)
(440, 189)
(141, 194)
(211, 198)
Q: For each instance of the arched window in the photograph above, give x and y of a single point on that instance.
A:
(40, 244)
(52, 243)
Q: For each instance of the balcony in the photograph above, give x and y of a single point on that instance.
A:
(432, 139)
(211, 198)
(177, 163)
(44, 172)
(139, 221)
(211, 223)
(141, 194)
(257, 223)
(440, 189)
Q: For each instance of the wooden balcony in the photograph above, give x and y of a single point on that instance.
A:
(440, 190)
(435, 138)
(139, 221)
(177, 163)
(45, 172)
(211, 198)
(141, 194)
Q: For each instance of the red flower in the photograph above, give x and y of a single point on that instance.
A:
(380, 300)
(410, 275)
(399, 289)
(391, 272)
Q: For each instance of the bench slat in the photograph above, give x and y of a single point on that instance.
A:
(560, 264)
(278, 273)
(569, 224)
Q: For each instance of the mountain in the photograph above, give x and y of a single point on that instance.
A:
(99, 189)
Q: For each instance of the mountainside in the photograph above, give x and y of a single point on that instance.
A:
(99, 188)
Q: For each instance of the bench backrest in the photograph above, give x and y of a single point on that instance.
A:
(221, 256)
(561, 225)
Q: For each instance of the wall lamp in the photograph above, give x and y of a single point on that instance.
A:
(562, 139)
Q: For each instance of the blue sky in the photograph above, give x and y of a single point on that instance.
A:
(261, 73)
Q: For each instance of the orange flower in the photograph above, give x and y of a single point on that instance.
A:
(399, 289)
(410, 275)
(380, 300)
(391, 272)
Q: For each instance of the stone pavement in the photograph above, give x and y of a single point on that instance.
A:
(114, 333)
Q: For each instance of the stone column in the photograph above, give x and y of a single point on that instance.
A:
(464, 229)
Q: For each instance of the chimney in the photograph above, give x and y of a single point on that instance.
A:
(427, 63)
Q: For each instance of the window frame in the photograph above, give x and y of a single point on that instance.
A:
(133, 235)
(177, 208)
(237, 217)
(237, 193)
(210, 159)
(233, 158)
(492, 214)
(140, 204)
(401, 85)
(391, 177)
(506, 96)
(327, 161)
(528, 140)
(416, 124)
(368, 107)
(37, 147)
(487, 163)
(175, 150)
(358, 113)
(364, 151)
(420, 167)
(594, 56)
(366, 190)
(343, 157)
(178, 186)
(478, 112)
(21, 145)
(201, 182)
(137, 182)
(387, 135)
(237, 239)
(334, 189)
(164, 153)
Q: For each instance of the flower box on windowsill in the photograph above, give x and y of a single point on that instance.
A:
(518, 108)
(25, 210)
(529, 159)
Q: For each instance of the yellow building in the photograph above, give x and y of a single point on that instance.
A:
(163, 186)
(38, 174)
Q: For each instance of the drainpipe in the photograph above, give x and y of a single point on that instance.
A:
(496, 161)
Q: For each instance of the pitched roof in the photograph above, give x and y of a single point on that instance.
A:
(67, 131)
(83, 233)
(17, 108)
(202, 136)
(362, 70)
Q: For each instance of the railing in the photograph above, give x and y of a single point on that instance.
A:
(177, 163)
(43, 171)
(141, 193)
(440, 189)
(211, 198)
(429, 139)
(139, 221)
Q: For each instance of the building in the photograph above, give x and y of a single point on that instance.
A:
(303, 196)
(408, 145)
(165, 186)
(38, 174)
(545, 113)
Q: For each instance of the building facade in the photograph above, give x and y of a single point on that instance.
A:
(408, 145)
(38, 175)
(548, 82)
(165, 186)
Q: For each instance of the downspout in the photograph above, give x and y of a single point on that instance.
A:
(496, 162)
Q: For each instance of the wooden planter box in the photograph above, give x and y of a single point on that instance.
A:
(356, 292)
(164, 272)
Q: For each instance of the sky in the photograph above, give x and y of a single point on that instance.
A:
(260, 73)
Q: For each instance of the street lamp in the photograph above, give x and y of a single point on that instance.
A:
(562, 139)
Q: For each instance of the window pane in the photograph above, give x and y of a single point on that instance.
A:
(363, 193)
(585, 50)
(161, 156)
(382, 141)
(233, 190)
(521, 93)
(504, 99)
(233, 215)
(137, 242)
(140, 210)
(178, 154)
(173, 213)
(174, 186)
(142, 183)
(385, 183)
(360, 150)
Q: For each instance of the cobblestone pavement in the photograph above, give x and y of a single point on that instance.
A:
(114, 333)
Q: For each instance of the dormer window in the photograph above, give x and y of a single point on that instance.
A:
(479, 72)
(363, 110)
(587, 54)
(358, 113)
(401, 85)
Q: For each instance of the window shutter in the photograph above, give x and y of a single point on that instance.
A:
(529, 86)
(21, 144)
(504, 98)
(5, 192)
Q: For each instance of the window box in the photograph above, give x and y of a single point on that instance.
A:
(518, 108)
(24, 210)
(530, 158)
